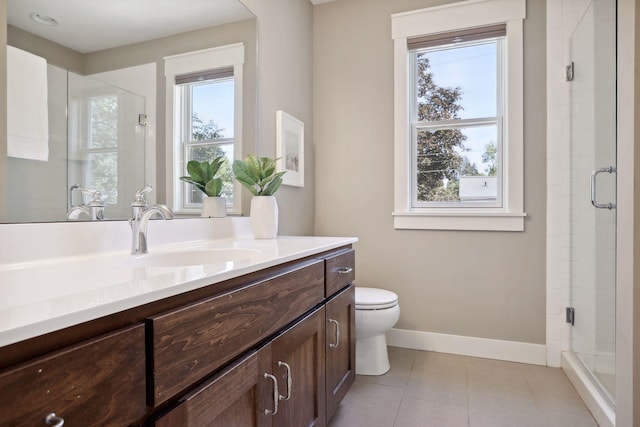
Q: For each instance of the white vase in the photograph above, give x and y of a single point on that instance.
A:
(264, 217)
(214, 207)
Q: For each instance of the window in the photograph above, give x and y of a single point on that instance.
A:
(206, 128)
(458, 116)
(102, 147)
(204, 115)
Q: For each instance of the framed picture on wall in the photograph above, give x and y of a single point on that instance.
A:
(290, 148)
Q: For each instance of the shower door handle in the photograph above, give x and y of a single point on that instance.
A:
(594, 198)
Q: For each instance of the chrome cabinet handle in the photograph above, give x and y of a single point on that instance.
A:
(337, 343)
(289, 380)
(343, 270)
(594, 198)
(53, 420)
(275, 395)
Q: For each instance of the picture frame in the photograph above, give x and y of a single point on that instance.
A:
(290, 148)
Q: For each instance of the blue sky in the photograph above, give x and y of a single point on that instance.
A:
(473, 69)
(215, 102)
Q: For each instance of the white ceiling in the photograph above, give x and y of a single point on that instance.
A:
(92, 25)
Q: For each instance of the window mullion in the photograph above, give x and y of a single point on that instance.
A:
(457, 123)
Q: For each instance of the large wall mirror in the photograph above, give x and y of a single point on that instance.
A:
(91, 111)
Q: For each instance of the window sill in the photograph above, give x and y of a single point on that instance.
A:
(456, 220)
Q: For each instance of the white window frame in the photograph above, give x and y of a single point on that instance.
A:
(496, 120)
(447, 18)
(192, 62)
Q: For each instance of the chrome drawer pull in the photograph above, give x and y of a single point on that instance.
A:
(289, 380)
(337, 343)
(53, 420)
(275, 395)
(343, 270)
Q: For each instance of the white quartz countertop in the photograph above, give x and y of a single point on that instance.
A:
(48, 294)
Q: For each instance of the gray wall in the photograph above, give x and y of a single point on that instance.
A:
(285, 83)
(480, 284)
(55, 54)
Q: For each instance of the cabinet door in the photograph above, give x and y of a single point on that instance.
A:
(100, 382)
(297, 360)
(236, 397)
(340, 347)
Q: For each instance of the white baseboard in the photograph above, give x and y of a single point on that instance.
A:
(511, 351)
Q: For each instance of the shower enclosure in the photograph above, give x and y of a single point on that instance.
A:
(106, 142)
(592, 85)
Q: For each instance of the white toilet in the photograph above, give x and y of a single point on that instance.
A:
(377, 310)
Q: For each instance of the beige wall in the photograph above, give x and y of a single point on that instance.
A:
(285, 83)
(628, 217)
(480, 284)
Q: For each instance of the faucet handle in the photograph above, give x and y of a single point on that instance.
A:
(95, 195)
(139, 198)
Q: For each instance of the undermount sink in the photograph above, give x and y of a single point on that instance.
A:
(185, 258)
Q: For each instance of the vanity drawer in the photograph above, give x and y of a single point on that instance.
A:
(99, 382)
(339, 271)
(193, 341)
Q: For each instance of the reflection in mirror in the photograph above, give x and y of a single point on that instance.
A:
(105, 143)
(104, 98)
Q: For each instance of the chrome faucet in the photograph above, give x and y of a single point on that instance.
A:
(141, 214)
(95, 208)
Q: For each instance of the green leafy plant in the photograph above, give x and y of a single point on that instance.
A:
(258, 175)
(203, 176)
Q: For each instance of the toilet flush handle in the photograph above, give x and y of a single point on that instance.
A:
(337, 343)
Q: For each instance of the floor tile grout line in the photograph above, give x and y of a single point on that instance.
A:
(404, 389)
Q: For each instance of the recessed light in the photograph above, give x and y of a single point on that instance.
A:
(43, 19)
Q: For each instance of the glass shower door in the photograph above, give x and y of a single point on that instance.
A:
(106, 146)
(592, 76)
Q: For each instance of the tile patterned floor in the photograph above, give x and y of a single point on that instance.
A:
(425, 389)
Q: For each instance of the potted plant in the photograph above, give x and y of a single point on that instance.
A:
(203, 175)
(259, 176)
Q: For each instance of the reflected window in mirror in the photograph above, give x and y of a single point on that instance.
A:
(206, 91)
(206, 128)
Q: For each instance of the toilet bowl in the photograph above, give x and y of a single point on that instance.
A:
(377, 310)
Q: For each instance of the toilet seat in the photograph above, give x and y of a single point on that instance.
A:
(375, 299)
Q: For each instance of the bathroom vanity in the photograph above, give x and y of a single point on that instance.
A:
(263, 335)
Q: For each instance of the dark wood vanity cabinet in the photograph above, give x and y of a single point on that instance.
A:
(98, 382)
(279, 384)
(340, 372)
(298, 359)
(235, 397)
(273, 348)
(195, 340)
(309, 364)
